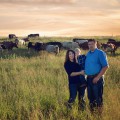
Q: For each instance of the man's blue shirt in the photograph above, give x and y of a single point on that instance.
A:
(95, 61)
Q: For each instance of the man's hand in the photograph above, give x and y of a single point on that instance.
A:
(95, 80)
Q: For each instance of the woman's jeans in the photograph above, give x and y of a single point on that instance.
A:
(95, 92)
(73, 90)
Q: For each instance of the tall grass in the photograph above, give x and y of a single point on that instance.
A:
(34, 86)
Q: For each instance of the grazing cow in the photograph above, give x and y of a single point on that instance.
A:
(26, 39)
(11, 36)
(33, 35)
(80, 41)
(55, 43)
(84, 45)
(70, 45)
(31, 46)
(38, 46)
(111, 40)
(109, 48)
(9, 45)
(52, 49)
(19, 42)
(1, 47)
(116, 43)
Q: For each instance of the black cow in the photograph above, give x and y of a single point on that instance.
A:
(11, 36)
(111, 40)
(30, 45)
(9, 45)
(33, 35)
(38, 46)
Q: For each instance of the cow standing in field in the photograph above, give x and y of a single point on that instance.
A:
(112, 41)
(38, 46)
(52, 49)
(80, 41)
(30, 45)
(1, 47)
(33, 35)
(19, 42)
(109, 47)
(59, 44)
(11, 36)
(70, 45)
(84, 45)
(8, 45)
(26, 39)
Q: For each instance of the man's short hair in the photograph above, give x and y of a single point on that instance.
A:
(92, 40)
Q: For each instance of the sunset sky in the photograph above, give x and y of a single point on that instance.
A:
(60, 17)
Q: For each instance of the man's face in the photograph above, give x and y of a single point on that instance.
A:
(92, 45)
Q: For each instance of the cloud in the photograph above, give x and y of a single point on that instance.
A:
(75, 17)
(40, 1)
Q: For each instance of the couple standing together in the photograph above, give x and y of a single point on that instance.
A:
(93, 65)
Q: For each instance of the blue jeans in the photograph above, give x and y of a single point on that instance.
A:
(95, 92)
(73, 90)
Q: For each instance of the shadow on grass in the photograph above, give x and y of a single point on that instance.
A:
(20, 52)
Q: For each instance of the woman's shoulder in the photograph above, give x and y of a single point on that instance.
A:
(66, 63)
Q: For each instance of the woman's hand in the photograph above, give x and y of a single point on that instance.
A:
(77, 73)
(82, 72)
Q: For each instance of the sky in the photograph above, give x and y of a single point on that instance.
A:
(60, 17)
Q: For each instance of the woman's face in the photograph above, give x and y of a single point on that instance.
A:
(71, 56)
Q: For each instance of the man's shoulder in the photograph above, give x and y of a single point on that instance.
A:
(100, 51)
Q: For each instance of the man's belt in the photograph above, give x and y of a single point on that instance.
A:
(92, 76)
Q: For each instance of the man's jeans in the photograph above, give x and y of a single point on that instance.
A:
(73, 89)
(95, 92)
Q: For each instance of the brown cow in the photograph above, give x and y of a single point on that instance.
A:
(109, 47)
(8, 45)
(84, 45)
(26, 39)
(116, 43)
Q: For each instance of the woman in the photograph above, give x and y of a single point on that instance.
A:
(80, 59)
(73, 70)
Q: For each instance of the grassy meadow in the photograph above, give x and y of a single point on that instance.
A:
(34, 86)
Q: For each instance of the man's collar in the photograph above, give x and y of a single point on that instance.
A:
(93, 51)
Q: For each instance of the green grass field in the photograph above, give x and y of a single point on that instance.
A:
(34, 86)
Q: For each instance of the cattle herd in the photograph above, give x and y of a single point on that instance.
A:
(55, 47)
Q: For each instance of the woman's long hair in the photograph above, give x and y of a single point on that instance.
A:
(67, 56)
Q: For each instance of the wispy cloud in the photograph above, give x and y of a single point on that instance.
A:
(60, 17)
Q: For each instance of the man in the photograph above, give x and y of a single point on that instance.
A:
(96, 65)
